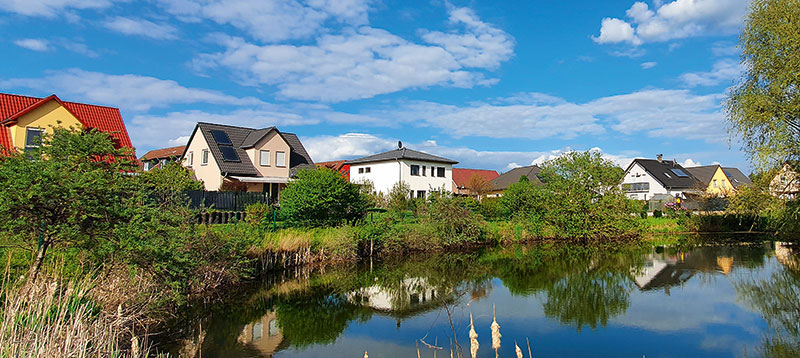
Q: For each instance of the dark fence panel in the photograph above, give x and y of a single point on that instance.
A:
(224, 200)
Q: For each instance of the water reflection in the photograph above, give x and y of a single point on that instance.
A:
(543, 292)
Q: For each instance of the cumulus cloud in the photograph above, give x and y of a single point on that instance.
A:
(40, 45)
(141, 27)
(129, 92)
(364, 62)
(690, 163)
(272, 20)
(725, 70)
(673, 20)
(50, 8)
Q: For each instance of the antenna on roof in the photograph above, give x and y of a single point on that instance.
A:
(399, 145)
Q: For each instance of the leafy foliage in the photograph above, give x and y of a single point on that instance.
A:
(322, 197)
(764, 107)
(398, 196)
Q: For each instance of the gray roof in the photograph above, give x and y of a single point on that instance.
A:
(243, 138)
(402, 153)
(512, 176)
(736, 177)
(255, 136)
(703, 174)
(299, 158)
(662, 171)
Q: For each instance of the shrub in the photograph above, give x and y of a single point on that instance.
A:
(657, 213)
(322, 197)
(398, 196)
(491, 209)
(453, 222)
(258, 212)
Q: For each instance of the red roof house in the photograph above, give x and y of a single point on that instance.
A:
(19, 113)
(461, 178)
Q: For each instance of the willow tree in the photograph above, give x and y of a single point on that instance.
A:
(764, 106)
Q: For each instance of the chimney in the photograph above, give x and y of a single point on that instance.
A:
(660, 157)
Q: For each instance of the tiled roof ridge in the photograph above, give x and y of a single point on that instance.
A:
(239, 127)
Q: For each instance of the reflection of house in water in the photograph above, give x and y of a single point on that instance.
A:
(665, 270)
(262, 336)
(409, 296)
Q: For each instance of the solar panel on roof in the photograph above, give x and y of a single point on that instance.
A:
(680, 173)
(221, 137)
(229, 154)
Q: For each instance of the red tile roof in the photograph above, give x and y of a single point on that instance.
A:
(104, 119)
(462, 176)
(5, 140)
(164, 153)
(336, 165)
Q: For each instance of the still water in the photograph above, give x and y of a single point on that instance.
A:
(738, 300)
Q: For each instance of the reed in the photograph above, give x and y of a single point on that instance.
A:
(495, 333)
(473, 338)
(53, 318)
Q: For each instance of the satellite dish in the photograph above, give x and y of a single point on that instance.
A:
(399, 145)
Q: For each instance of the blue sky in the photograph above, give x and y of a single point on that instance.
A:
(490, 84)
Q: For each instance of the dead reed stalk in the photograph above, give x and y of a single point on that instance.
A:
(473, 338)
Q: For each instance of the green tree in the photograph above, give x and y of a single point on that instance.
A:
(322, 197)
(398, 196)
(764, 107)
(168, 183)
(69, 192)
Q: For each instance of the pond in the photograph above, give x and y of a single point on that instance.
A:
(737, 300)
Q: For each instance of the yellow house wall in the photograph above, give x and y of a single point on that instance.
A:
(49, 115)
(273, 143)
(209, 174)
(723, 184)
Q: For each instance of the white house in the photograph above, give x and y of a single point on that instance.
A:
(645, 178)
(423, 172)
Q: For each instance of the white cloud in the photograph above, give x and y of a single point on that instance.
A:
(354, 145)
(652, 112)
(148, 131)
(484, 46)
(272, 20)
(50, 8)
(674, 20)
(614, 30)
(690, 163)
(40, 45)
(129, 92)
(725, 70)
(648, 65)
(721, 49)
(141, 27)
(365, 61)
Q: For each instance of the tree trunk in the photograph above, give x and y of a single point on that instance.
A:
(37, 263)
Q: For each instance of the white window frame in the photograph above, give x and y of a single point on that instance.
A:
(204, 157)
(190, 158)
(262, 155)
(27, 130)
(146, 166)
(277, 161)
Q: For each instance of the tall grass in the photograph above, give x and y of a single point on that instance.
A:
(54, 318)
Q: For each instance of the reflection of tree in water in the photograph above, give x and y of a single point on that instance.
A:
(317, 316)
(776, 298)
(588, 299)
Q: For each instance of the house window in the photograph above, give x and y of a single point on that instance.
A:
(263, 158)
(163, 163)
(204, 157)
(415, 170)
(440, 172)
(716, 185)
(423, 170)
(367, 170)
(190, 158)
(724, 184)
(280, 159)
(146, 166)
(33, 138)
(360, 170)
(421, 194)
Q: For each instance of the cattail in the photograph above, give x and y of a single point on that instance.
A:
(473, 338)
(134, 347)
(495, 333)
(518, 350)
(366, 355)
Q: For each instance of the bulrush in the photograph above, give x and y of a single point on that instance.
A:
(495, 333)
(473, 338)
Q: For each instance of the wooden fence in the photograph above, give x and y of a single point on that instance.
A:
(224, 200)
